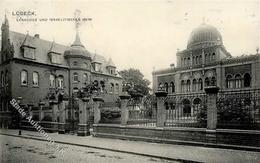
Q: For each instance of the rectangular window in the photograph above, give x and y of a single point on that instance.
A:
(52, 81)
(60, 82)
(24, 78)
(29, 53)
(35, 79)
(97, 67)
(55, 58)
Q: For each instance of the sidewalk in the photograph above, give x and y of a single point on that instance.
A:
(165, 151)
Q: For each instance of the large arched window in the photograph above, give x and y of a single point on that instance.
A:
(200, 84)
(207, 81)
(229, 81)
(172, 87)
(166, 87)
(75, 77)
(247, 80)
(35, 79)
(238, 81)
(24, 77)
(52, 80)
(194, 85)
(188, 85)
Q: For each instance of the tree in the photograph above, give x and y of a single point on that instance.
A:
(135, 82)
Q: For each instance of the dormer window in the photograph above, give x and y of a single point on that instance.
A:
(97, 67)
(55, 58)
(28, 52)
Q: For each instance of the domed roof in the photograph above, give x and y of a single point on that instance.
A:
(204, 35)
(77, 49)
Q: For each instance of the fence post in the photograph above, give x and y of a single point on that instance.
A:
(124, 112)
(161, 116)
(40, 110)
(97, 114)
(62, 112)
(211, 92)
(30, 109)
(54, 106)
(83, 126)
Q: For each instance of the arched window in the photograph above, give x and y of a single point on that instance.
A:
(185, 63)
(52, 80)
(238, 81)
(188, 61)
(160, 87)
(75, 77)
(197, 59)
(117, 89)
(213, 81)
(35, 79)
(206, 57)
(182, 86)
(24, 77)
(85, 78)
(200, 84)
(172, 87)
(200, 61)
(213, 56)
(102, 84)
(207, 81)
(188, 85)
(60, 81)
(166, 87)
(247, 80)
(111, 88)
(229, 81)
(194, 85)
(186, 107)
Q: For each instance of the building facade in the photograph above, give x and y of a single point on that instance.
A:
(32, 68)
(206, 62)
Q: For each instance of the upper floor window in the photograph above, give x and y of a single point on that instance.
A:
(75, 63)
(229, 81)
(75, 77)
(166, 87)
(85, 65)
(188, 85)
(60, 81)
(238, 81)
(247, 80)
(172, 87)
(102, 84)
(117, 89)
(24, 77)
(35, 79)
(85, 78)
(28, 52)
(111, 88)
(200, 84)
(55, 58)
(97, 67)
(52, 80)
(207, 81)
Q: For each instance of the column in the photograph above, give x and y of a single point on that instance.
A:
(54, 124)
(83, 126)
(161, 110)
(97, 113)
(212, 92)
(62, 113)
(124, 111)
(30, 109)
(40, 110)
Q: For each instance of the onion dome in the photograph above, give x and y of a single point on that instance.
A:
(204, 35)
(77, 49)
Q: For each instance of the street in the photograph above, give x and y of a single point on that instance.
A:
(22, 150)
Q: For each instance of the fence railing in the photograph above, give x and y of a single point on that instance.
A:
(239, 109)
(187, 110)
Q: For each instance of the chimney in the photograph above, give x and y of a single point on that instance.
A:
(37, 36)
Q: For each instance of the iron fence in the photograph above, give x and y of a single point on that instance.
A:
(142, 112)
(239, 109)
(110, 113)
(186, 110)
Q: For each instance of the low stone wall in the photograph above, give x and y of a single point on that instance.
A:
(199, 136)
(47, 126)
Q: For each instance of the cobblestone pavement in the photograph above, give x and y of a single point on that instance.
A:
(21, 150)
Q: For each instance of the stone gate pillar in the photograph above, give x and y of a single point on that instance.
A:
(211, 92)
(40, 110)
(54, 107)
(30, 109)
(124, 112)
(83, 126)
(161, 110)
(97, 113)
(62, 113)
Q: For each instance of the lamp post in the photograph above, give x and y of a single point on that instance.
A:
(19, 100)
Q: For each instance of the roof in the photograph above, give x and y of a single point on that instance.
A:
(44, 47)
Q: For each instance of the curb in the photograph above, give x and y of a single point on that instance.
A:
(103, 148)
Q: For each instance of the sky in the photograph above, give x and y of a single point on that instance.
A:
(142, 34)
